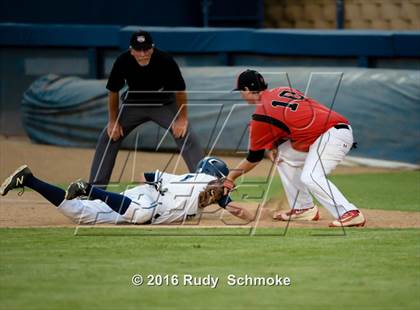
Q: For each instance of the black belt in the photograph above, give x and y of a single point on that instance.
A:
(341, 126)
(345, 126)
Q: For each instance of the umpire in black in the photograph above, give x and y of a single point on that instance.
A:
(159, 96)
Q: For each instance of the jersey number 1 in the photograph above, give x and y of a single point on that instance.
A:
(289, 95)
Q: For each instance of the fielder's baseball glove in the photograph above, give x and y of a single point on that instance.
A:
(211, 194)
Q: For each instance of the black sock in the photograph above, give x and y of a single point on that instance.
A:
(52, 193)
(118, 203)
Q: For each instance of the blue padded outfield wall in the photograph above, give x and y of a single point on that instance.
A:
(193, 40)
(383, 107)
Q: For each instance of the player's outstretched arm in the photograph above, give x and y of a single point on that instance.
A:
(235, 209)
(243, 167)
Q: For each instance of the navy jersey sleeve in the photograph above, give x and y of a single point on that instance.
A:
(173, 76)
(116, 80)
(224, 201)
(150, 176)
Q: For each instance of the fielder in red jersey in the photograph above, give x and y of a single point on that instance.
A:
(306, 141)
(286, 113)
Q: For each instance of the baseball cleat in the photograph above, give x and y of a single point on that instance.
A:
(15, 180)
(311, 214)
(76, 189)
(353, 218)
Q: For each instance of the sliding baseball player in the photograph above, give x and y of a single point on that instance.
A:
(162, 198)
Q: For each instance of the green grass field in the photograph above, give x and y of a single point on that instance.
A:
(386, 191)
(52, 268)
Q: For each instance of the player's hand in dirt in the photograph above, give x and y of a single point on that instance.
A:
(239, 212)
(114, 130)
(179, 127)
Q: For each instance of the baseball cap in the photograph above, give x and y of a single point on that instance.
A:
(251, 79)
(141, 40)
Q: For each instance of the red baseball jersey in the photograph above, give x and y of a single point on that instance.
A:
(286, 113)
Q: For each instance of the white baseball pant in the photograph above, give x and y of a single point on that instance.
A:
(303, 174)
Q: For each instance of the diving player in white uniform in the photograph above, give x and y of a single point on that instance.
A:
(163, 198)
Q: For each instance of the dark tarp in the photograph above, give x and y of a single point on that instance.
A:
(383, 107)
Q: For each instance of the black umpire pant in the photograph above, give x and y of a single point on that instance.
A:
(130, 117)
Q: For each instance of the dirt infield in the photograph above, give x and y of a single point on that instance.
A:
(63, 165)
(31, 210)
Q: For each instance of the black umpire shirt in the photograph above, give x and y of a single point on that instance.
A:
(158, 78)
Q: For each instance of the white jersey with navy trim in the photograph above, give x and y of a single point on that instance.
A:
(175, 196)
(173, 199)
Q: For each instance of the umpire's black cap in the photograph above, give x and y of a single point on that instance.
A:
(141, 40)
(251, 79)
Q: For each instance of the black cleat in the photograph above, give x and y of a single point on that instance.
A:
(76, 189)
(15, 180)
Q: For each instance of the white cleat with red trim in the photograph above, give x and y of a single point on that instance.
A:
(353, 218)
(311, 214)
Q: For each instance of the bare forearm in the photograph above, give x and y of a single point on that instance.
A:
(113, 102)
(181, 101)
(243, 167)
(239, 211)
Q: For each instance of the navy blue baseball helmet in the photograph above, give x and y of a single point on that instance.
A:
(212, 166)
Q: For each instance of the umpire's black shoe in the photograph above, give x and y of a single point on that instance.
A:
(77, 189)
(15, 180)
